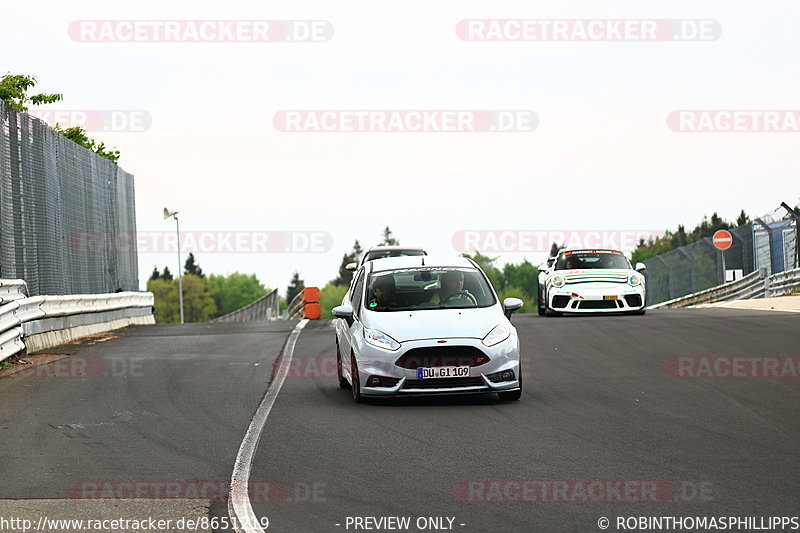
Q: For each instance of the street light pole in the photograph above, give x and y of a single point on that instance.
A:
(174, 214)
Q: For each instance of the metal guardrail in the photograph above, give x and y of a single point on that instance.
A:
(19, 313)
(783, 282)
(265, 308)
(297, 307)
(12, 289)
(755, 285)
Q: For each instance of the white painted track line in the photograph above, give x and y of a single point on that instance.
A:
(240, 508)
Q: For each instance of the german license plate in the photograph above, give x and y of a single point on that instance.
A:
(610, 297)
(443, 372)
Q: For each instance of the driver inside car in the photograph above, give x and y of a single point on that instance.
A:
(452, 291)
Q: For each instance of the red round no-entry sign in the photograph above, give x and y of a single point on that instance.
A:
(722, 239)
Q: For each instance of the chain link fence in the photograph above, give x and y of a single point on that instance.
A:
(769, 243)
(61, 208)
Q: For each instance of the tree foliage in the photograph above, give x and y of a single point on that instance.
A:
(156, 274)
(346, 276)
(14, 92)
(235, 290)
(191, 267)
(294, 288)
(513, 280)
(330, 296)
(78, 135)
(388, 238)
(680, 237)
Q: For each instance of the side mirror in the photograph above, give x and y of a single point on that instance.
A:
(351, 266)
(510, 305)
(640, 267)
(550, 261)
(343, 311)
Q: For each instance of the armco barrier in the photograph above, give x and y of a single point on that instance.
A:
(12, 289)
(265, 308)
(754, 285)
(305, 305)
(44, 321)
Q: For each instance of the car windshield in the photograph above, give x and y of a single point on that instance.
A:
(383, 254)
(594, 259)
(428, 288)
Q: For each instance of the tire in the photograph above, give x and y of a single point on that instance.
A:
(514, 394)
(356, 387)
(343, 383)
(541, 308)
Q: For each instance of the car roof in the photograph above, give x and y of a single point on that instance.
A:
(578, 250)
(394, 247)
(393, 263)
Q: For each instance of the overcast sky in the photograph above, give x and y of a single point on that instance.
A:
(601, 156)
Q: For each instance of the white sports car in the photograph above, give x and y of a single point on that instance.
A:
(591, 281)
(421, 325)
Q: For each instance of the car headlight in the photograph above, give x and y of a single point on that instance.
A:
(380, 339)
(500, 333)
(557, 281)
(634, 280)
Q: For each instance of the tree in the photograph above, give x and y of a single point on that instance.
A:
(167, 275)
(198, 299)
(487, 265)
(524, 275)
(555, 248)
(155, 274)
(388, 239)
(742, 219)
(346, 276)
(165, 295)
(235, 290)
(191, 267)
(14, 92)
(78, 135)
(294, 288)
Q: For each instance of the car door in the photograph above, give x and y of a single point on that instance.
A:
(347, 331)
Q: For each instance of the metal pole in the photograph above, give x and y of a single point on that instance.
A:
(180, 268)
(724, 270)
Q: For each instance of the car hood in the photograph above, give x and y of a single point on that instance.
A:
(596, 275)
(404, 326)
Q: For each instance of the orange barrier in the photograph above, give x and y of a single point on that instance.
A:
(313, 311)
(311, 295)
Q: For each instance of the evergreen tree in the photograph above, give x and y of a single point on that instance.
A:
(388, 239)
(167, 275)
(191, 267)
(155, 274)
(346, 276)
(295, 286)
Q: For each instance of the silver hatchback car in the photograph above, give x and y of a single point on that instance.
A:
(424, 325)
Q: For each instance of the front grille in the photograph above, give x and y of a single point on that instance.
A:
(443, 383)
(633, 300)
(442, 356)
(599, 304)
(560, 300)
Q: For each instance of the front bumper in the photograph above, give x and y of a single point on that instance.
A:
(399, 381)
(596, 298)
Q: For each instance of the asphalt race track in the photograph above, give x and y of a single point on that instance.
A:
(617, 420)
